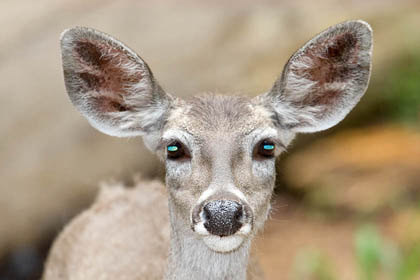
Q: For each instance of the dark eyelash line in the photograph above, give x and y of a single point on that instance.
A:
(176, 150)
(258, 151)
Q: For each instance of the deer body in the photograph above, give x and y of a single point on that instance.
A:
(102, 250)
(219, 154)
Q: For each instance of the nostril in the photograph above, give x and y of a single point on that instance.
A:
(238, 214)
(206, 213)
(222, 217)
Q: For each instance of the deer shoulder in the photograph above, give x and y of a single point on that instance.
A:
(123, 235)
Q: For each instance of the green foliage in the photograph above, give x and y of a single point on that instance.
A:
(409, 266)
(374, 255)
(376, 258)
(313, 265)
(368, 252)
(401, 89)
(393, 94)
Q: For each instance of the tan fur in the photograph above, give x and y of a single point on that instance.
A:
(219, 139)
(123, 235)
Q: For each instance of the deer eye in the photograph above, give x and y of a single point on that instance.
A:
(175, 151)
(265, 149)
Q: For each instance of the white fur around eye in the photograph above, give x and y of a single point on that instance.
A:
(178, 169)
(258, 135)
(180, 136)
(264, 169)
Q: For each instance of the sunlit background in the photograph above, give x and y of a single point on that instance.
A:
(348, 200)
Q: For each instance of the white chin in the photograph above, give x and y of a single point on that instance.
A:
(223, 244)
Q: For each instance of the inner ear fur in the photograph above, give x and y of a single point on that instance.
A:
(324, 79)
(110, 84)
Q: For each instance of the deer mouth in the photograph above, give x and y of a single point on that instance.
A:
(222, 243)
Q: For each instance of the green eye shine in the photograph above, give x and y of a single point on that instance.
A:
(172, 148)
(175, 151)
(265, 149)
(268, 147)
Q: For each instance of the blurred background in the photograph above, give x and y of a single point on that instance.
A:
(347, 202)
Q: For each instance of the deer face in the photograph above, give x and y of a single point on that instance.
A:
(220, 166)
(219, 151)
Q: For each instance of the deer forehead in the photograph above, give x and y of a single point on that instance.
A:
(213, 117)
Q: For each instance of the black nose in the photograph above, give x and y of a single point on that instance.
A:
(223, 217)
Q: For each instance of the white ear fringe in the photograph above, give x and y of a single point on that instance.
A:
(289, 97)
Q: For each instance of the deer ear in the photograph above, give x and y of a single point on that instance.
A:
(324, 79)
(111, 85)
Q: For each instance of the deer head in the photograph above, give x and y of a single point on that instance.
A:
(219, 151)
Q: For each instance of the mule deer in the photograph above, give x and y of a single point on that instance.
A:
(219, 153)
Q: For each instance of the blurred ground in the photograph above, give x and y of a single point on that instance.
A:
(51, 160)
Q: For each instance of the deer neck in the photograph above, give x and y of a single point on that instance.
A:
(190, 258)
